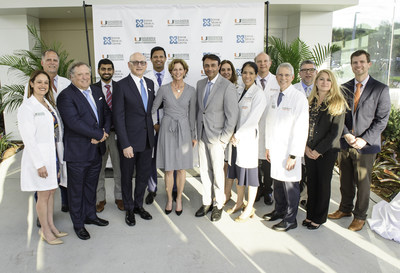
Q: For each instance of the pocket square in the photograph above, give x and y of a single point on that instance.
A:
(148, 89)
(100, 98)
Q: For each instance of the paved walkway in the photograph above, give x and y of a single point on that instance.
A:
(183, 243)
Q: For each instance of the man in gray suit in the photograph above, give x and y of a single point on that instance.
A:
(217, 115)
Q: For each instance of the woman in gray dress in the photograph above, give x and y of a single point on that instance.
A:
(177, 130)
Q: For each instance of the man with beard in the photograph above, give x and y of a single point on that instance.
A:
(105, 69)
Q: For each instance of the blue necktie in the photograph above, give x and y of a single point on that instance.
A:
(87, 95)
(144, 94)
(208, 89)
(159, 78)
(280, 98)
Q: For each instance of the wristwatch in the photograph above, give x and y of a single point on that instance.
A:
(292, 156)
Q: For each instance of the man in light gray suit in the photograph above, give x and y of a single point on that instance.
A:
(218, 112)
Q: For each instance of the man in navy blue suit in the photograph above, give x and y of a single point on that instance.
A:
(87, 122)
(134, 127)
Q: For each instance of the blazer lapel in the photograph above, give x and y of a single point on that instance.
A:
(202, 87)
(366, 92)
(83, 99)
(212, 90)
(135, 91)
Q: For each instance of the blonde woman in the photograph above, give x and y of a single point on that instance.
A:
(326, 122)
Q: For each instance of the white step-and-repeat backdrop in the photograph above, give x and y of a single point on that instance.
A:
(234, 32)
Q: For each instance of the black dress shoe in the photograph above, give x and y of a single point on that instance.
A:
(216, 214)
(97, 221)
(143, 214)
(306, 223)
(179, 212)
(284, 226)
(38, 222)
(272, 216)
(174, 195)
(82, 233)
(150, 198)
(130, 218)
(312, 227)
(203, 210)
(64, 208)
(268, 199)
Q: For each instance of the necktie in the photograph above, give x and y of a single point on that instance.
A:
(280, 98)
(357, 95)
(159, 81)
(263, 83)
(53, 82)
(87, 95)
(308, 90)
(108, 96)
(144, 94)
(208, 89)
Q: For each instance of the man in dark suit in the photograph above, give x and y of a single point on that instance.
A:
(87, 121)
(369, 103)
(134, 127)
(105, 69)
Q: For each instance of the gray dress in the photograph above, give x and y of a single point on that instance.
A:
(177, 129)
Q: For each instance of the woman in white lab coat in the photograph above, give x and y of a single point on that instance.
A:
(243, 164)
(41, 165)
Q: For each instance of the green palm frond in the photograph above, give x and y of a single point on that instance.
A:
(12, 96)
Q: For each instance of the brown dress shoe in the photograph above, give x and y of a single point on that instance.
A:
(338, 214)
(120, 204)
(100, 206)
(357, 224)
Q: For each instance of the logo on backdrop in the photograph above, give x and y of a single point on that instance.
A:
(143, 23)
(112, 40)
(211, 39)
(239, 72)
(245, 39)
(211, 22)
(144, 40)
(245, 21)
(244, 55)
(175, 40)
(183, 56)
(113, 57)
(178, 22)
(111, 23)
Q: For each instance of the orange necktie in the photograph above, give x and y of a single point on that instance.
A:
(357, 95)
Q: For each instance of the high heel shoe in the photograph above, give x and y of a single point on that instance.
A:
(54, 242)
(179, 212)
(306, 223)
(236, 209)
(167, 211)
(60, 234)
(242, 220)
(312, 227)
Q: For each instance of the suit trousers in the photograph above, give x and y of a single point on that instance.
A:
(112, 150)
(82, 185)
(287, 196)
(355, 172)
(212, 172)
(264, 176)
(152, 183)
(319, 176)
(142, 162)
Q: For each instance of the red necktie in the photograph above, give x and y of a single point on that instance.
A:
(54, 85)
(108, 96)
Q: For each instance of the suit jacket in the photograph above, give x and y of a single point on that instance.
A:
(327, 131)
(220, 115)
(115, 89)
(132, 123)
(371, 116)
(80, 123)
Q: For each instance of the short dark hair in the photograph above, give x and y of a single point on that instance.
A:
(157, 48)
(251, 64)
(212, 57)
(308, 62)
(49, 50)
(105, 61)
(359, 53)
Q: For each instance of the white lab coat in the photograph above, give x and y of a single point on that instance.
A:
(251, 108)
(286, 131)
(299, 86)
(36, 127)
(62, 83)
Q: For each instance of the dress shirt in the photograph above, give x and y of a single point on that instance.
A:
(364, 82)
(90, 95)
(266, 78)
(104, 89)
(307, 88)
(212, 86)
(137, 82)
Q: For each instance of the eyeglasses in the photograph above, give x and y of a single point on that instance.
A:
(136, 63)
(308, 70)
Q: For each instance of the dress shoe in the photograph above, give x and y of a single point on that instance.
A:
(174, 195)
(100, 206)
(306, 223)
(268, 199)
(313, 227)
(241, 219)
(120, 204)
(179, 212)
(64, 208)
(272, 216)
(150, 197)
(143, 214)
(284, 226)
(97, 221)
(203, 210)
(357, 224)
(130, 218)
(339, 214)
(61, 234)
(216, 214)
(235, 209)
(82, 233)
(54, 242)
(38, 222)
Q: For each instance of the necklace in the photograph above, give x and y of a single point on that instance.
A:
(178, 88)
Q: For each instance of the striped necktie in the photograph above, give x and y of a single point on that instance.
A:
(108, 95)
